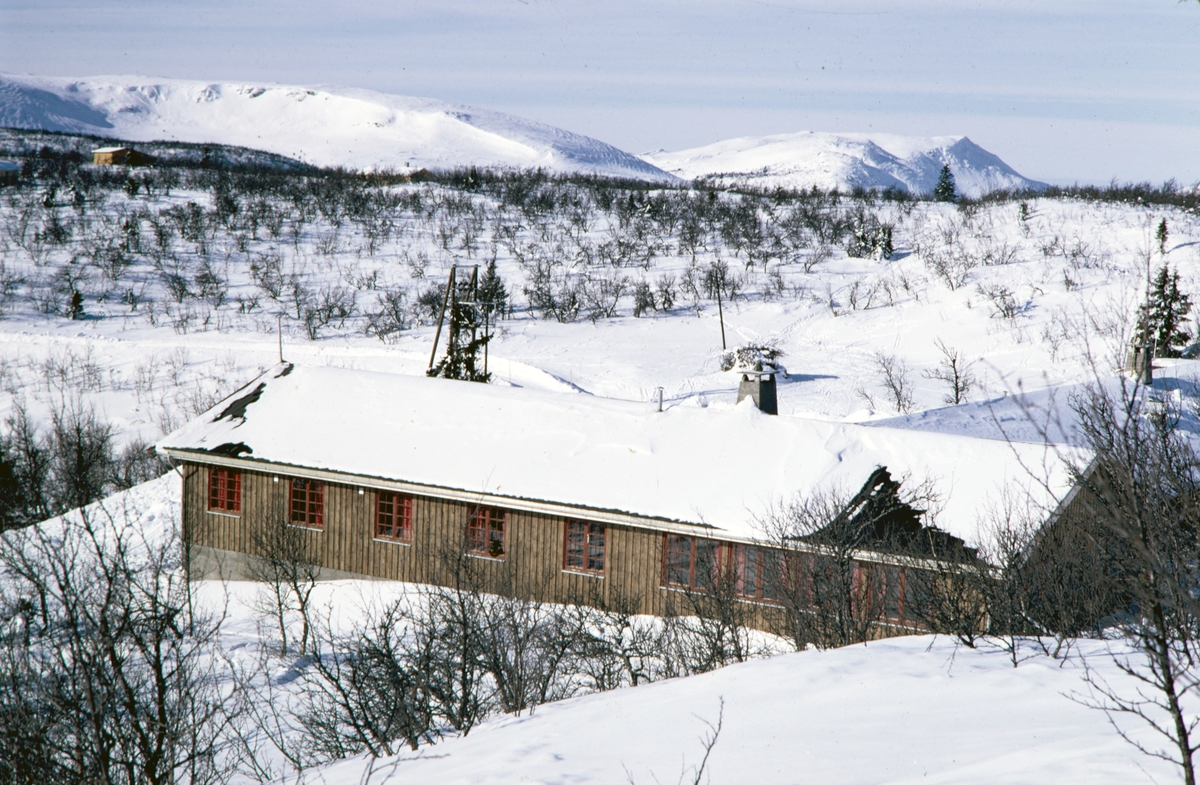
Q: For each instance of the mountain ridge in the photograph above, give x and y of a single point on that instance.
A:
(827, 160)
(322, 125)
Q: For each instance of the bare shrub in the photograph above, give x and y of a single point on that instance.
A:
(955, 372)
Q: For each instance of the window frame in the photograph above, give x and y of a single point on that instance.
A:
(761, 590)
(585, 555)
(401, 532)
(313, 516)
(490, 520)
(695, 545)
(219, 499)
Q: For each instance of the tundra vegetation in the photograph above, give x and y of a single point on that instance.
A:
(110, 672)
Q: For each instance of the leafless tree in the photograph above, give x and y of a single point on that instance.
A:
(1138, 503)
(831, 587)
(955, 372)
(893, 373)
(106, 671)
(286, 568)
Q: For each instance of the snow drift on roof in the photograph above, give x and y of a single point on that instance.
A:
(720, 466)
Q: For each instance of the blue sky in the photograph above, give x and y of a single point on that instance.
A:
(1063, 91)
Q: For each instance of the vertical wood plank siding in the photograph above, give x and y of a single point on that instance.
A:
(534, 542)
(534, 546)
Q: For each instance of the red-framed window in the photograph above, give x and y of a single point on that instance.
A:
(891, 587)
(308, 503)
(757, 573)
(690, 562)
(485, 532)
(393, 516)
(583, 548)
(224, 490)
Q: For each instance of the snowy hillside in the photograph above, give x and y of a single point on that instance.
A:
(325, 126)
(845, 161)
(901, 711)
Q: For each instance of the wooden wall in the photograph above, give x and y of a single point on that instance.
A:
(532, 564)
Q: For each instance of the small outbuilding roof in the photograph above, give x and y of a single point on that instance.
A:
(109, 150)
(721, 466)
(9, 166)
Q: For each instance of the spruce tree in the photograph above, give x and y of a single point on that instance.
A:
(1161, 320)
(1160, 235)
(493, 294)
(945, 190)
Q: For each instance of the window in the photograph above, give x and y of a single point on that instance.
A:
(689, 562)
(485, 532)
(224, 490)
(393, 516)
(757, 573)
(308, 503)
(893, 591)
(584, 549)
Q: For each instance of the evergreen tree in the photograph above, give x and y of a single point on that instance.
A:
(465, 338)
(493, 295)
(1160, 235)
(945, 190)
(1161, 320)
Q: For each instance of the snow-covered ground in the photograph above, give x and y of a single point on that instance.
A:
(824, 160)
(1035, 299)
(907, 710)
(320, 125)
(900, 711)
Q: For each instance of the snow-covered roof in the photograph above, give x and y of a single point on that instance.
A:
(9, 166)
(109, 149)
(721, 466)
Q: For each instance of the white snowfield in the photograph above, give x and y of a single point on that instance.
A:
(902, 711)
(320, 125)
(721, 465)
(825, 160)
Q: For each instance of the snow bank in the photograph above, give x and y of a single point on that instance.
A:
(844, 161)
(325, 126)
(900, 711)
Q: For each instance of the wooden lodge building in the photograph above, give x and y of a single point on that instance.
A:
(120, 156)
(581, 496)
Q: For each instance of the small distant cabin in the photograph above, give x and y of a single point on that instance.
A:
(120, 156)
(587, 499)
(10, 172)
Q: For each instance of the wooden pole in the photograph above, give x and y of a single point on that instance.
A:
(721, 314)
(441, 317)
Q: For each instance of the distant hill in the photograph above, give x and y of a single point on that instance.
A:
(844, 161)
(323, 126)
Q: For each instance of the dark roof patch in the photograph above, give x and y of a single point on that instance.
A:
(232, 449)
(237, 408)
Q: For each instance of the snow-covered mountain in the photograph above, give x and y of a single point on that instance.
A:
(325, 126)
(802, 160)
